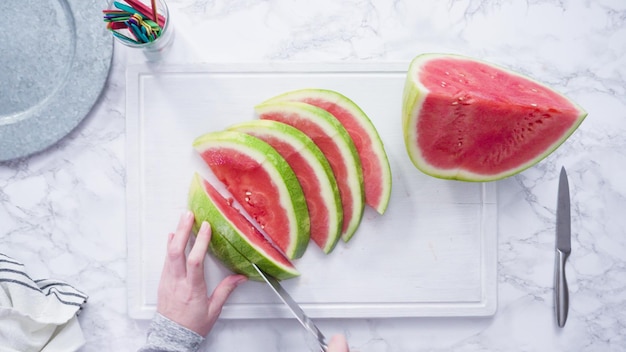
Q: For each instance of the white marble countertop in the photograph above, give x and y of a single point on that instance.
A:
(62, 210)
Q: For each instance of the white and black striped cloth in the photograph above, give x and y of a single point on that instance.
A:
(35, 312)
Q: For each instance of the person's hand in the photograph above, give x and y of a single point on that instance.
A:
(338, 343)
(182, 294)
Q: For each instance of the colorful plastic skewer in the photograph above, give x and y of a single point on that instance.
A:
(154, 11)
(137, 22)
(147, 12)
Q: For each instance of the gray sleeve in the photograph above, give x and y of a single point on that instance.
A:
(165, 335)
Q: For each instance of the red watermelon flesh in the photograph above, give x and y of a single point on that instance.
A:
(246, 240)
(279, 208)
(479, 122)
(311, 189)
(248, 175)
(241, 223)
(313, 172)
(345, 163)
(376, 169)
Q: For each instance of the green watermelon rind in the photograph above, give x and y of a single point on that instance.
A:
(413, 98)
(228, 244)
(233, 260)
(364, 121)
(349, 153)
(316, 160)
(291, 198)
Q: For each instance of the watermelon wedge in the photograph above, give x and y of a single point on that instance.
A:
(313, 172)
(376, 170)
(470, 120)
(235, 241)
(335, 142)
(263, 183)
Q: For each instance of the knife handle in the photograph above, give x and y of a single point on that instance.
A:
(561, 292)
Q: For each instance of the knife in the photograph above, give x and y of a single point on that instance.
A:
(563, 249)
(294, 307)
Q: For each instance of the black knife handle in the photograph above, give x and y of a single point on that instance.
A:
(561, 292)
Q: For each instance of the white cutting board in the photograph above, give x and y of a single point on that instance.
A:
(433, 253)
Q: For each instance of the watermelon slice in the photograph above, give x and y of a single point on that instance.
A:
(335, 142)
(234, 240)
(263, 183)
(312, 170)
(470, 120)
(376, 170)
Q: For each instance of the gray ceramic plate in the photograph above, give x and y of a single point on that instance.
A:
(55, 59)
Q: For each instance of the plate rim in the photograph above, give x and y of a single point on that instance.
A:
(91, 62)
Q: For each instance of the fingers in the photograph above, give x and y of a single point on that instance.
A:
(176, 246)
(195, 261)
(223, 291)
(338, 343)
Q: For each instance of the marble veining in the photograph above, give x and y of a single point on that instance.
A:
(62, 210)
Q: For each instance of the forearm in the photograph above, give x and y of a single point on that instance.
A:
(165, 335)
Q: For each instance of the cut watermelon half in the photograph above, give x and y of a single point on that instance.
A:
(313, 172)
(234, 240)
(335, 142)
(470, 120)
(263, 183)
(374, 161)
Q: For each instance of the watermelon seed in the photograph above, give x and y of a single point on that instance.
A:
(465, 100)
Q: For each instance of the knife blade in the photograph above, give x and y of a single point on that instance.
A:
(294, 307)
(563, 249)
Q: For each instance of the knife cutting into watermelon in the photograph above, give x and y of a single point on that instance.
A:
(260, 179)
(234, 240)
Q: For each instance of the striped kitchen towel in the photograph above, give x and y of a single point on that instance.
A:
(37, 315)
